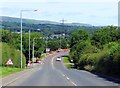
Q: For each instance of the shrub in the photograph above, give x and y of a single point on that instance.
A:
(12, 53)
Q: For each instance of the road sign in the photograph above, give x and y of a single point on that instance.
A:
(9, 62)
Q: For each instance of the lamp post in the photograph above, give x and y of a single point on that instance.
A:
(29, 46)
(60, 41)
(46, 42)
(21, 35)
(34, 46)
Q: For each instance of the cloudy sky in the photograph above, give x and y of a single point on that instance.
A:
(95, 12)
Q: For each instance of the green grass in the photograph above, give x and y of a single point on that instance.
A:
(67, 64)
(65, 60)
(5, 71)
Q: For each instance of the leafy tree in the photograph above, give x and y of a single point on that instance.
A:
(13, 39)
(105, 36)
(77, 36)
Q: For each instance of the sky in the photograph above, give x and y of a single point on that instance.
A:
(94, 12)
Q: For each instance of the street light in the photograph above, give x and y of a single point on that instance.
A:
(21, 34)
(34, 45)
(46, 42)
(29, 45)
(60, 41)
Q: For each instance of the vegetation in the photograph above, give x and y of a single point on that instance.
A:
(56, 44)
(8, 70)
(43, 56)
(46, 27)
(9, 52)
(13, 40)
(65, 60)
(98, 52)
(92, 49)
(67, 63)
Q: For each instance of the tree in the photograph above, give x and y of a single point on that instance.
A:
(77, 36)
(104, 36)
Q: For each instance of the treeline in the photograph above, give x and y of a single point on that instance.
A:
(99, 52)
(46, 29)
(56, 44)
(13, 40)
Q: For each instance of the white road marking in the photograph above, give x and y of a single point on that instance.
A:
(68, 78)
(60, 71)
(52, 62)
(73, 83)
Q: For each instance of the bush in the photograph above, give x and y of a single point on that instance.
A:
(10, 52)
(106, 61)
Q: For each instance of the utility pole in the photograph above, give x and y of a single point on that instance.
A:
(29, 46)
(21, 39)
(46, 42)
(34, 46)
(62, 22)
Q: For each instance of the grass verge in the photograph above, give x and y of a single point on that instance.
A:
(5, 71)
(67, 63)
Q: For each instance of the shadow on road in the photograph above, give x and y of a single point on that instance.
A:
(112, 79)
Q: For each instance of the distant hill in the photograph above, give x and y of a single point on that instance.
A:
(32, 21)
(46, 27)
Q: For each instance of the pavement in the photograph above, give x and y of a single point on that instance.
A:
(54, 73)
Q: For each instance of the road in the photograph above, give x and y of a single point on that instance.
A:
(53, 73)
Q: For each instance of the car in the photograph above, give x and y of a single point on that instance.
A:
(57, 51)
(51, 52)
(38, 61)
(58, 59)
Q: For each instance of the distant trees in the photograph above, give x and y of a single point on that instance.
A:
(57, 43)
(97, 52)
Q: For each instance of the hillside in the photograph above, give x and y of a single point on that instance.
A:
(32, 21)
(46, 27)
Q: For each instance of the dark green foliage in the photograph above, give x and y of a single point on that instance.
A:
(105, 36)
(13, 39)
(100, 52)
(110, 62)
(9, 52)
(77, 36)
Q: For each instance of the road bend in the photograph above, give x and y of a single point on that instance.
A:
(54, 73)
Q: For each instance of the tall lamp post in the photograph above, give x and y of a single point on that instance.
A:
(21, 35)
(34, 46)
(29, 45)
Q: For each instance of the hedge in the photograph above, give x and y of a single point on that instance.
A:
(8, 52)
